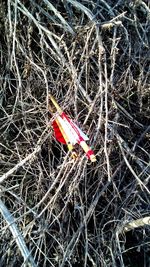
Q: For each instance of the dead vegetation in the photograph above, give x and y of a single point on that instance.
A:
(94, 57)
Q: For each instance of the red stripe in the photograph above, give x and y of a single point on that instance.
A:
(58, 133)
(90, 153)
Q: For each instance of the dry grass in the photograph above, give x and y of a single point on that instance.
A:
(93, 56)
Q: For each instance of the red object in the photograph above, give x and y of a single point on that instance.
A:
(58, 133)
(67, 132)
(89, 153)
(63, 115)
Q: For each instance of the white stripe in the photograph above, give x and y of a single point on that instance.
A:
(84, 136)
(68, 130)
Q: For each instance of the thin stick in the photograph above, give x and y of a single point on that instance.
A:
(17, 235)
(31, 156)
(137, 223)
(20, 164)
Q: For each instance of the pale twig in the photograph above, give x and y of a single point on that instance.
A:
(28, 259)
(147, 130)
(126, 113)
(30, 157)
(131, 169)
(83, 8)
(109, 25)
(65, 175)
(113, 55)
(136, 223)
(106, 124)
(108, 7)
(144, 7)
(119, 248)
(88, 215)
(57, 13)
(113, 22)
(24, 10)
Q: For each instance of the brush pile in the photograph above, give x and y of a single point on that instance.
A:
(93, 56)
